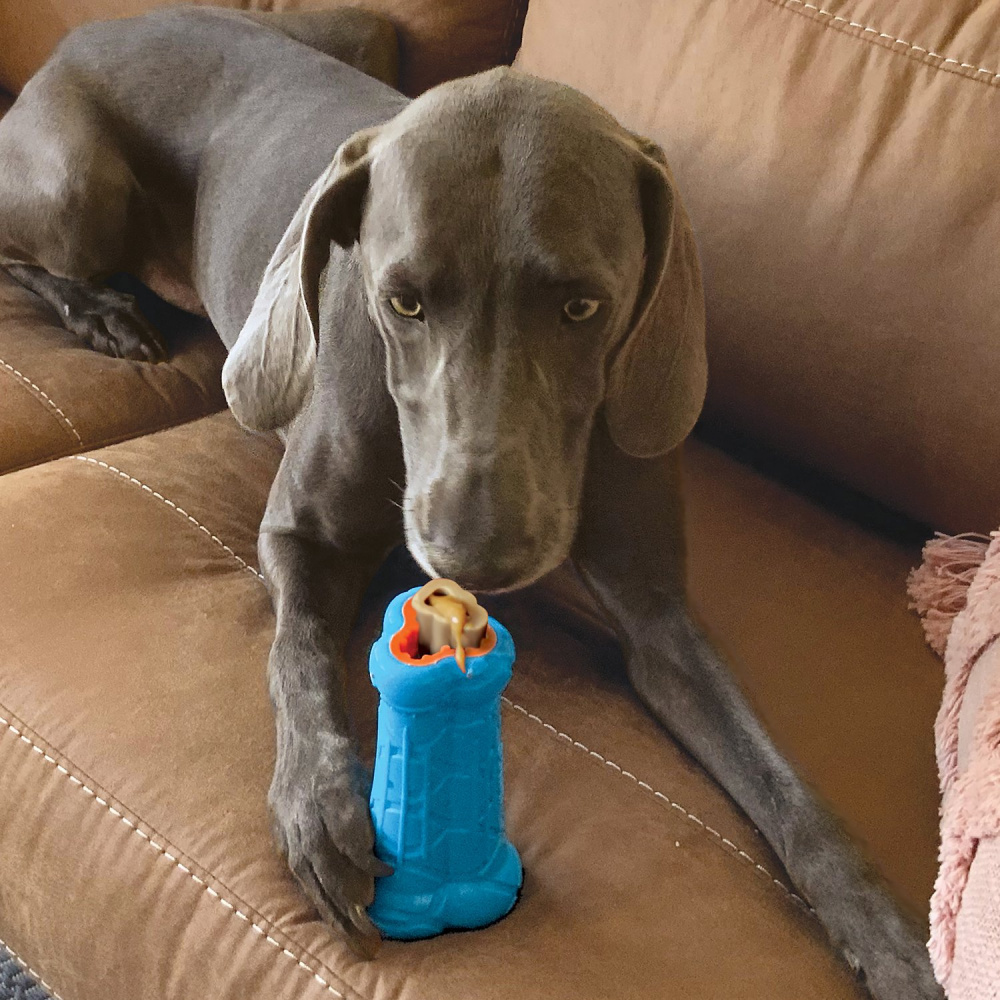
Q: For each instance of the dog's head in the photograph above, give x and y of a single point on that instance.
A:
(528, 263)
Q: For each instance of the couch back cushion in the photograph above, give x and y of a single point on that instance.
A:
(838, 161)
(440, 39)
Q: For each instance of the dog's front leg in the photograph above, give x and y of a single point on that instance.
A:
(630, 552)
(319, 794)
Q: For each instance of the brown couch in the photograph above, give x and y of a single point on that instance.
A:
(836, 172)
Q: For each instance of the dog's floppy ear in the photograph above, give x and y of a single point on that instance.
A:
(268, 374)
(656, 386)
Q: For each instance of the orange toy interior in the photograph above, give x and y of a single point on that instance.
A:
(405, 643)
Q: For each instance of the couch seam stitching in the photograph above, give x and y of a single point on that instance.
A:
(179, 510)
(177, 863)
(917, 52)
(730, 848)
(142, 432)
(45, 396)
(27, 968)
(105, 442)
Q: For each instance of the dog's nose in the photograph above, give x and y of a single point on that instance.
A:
(499, 560)
(477, 529)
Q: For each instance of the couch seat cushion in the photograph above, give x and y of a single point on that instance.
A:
(136, 746)
(57, 396)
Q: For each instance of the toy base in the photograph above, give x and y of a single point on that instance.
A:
(410, 904)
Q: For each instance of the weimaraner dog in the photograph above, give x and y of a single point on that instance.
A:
(490, 294)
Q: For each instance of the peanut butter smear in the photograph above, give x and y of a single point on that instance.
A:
(457, 613)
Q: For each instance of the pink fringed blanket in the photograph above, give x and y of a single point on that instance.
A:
(957, 591)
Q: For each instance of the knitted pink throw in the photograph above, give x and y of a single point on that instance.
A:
(957, 592)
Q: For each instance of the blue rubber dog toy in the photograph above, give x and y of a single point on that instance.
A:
(437, 792)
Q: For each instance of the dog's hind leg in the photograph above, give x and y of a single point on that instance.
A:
(356, 37)
(66, 192)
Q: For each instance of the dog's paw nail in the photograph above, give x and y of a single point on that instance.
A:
(380, 869)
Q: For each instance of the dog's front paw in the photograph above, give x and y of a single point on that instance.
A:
(883, 948)
(892, 960)
(320, 818)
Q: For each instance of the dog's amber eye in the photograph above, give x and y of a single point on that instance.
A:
(581, 309)
(407, 306)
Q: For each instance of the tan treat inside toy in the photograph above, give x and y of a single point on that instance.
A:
(447, 615)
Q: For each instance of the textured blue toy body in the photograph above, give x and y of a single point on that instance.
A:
(437, 793)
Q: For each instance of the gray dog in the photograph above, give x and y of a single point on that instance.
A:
(490, 293)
